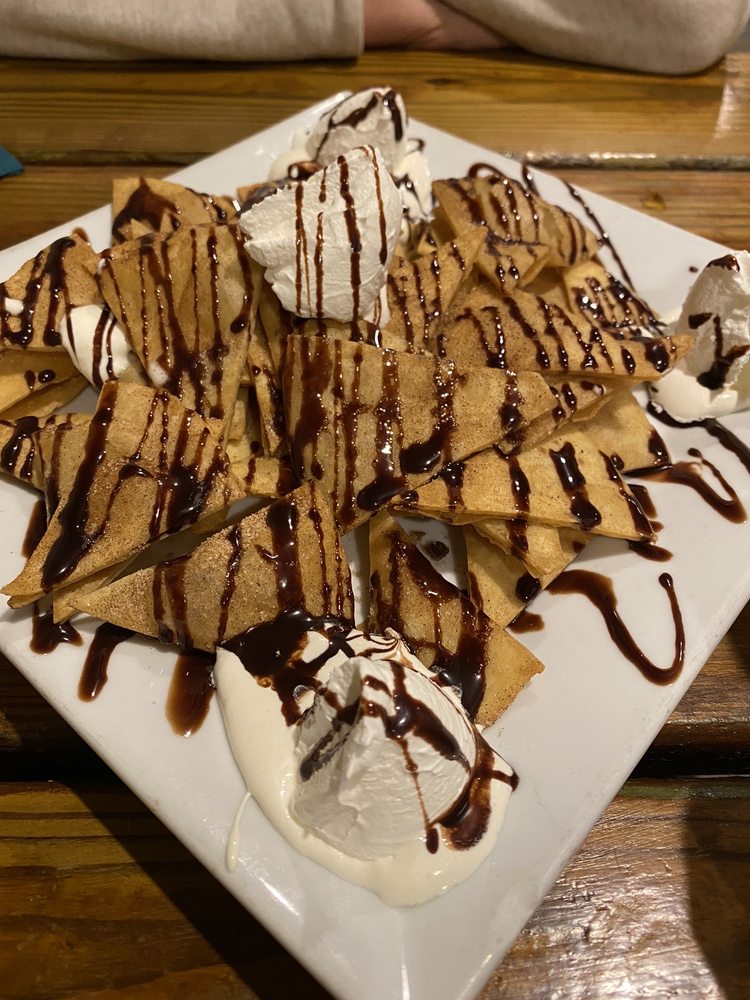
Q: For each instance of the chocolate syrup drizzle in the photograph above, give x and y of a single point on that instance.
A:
(47, 272)
(181, 488)
(191, 361)
(17, 454)
(46, 633)
(157, 211)
(599, 590)
(94, 674)
(190, 691)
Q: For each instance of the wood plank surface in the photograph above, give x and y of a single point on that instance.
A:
(715, 205)
(98, 900)
(175, 112)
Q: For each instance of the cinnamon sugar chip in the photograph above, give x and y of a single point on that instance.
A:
(187, 304)
(142, 205)
(524, 332)
(445, 630)
(47, 287)
(565, 481)
(596, 295)
(542, 548)
(419, 292)
(285, 556)
(500, 583)
(149, 467)
(622, 430)
(369, 423)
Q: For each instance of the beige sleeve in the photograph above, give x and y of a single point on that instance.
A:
(658, 36)
(181, 29)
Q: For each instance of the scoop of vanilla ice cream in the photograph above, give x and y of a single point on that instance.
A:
(382, 753)
(713, 379)
(375, 117)
(326, 242)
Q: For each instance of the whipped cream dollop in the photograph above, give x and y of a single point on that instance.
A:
(382, 752)
(713, 379)
(373, 117)
(326, 242)
(11, 307)
(363, 761)
(97, 344)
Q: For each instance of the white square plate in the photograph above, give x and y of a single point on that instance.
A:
(573, 735)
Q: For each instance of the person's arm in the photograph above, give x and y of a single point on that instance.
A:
(657, 36)
(182, 29)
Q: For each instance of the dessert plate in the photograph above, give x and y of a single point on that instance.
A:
(573, 735)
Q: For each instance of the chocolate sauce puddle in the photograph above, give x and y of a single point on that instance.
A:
(190, 691)
(526, 621)
(94, 674)
(600, 591)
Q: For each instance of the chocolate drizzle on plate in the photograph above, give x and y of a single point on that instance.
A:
(600, 591)
(94, 674)
(190, 691)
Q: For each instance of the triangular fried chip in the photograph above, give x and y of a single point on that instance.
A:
(543, 549)
(564, 481)
(445, 630)
(143, 205)
(149, 467)
(28, 374)
(369, 423)
(19, 444)
(46, 399)
(281, 558)
(187, 304)
(35, 300)
(58, 456)
(499, 584)
(622, 430)
(523, 332)
(420, 292)
(595, 294)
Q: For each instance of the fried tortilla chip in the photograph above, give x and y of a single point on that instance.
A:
(286, 556)
(543, 549)
(369, 423)
(36, 299)
(525, 333)
(565, 481)
(149, 467)
(420, 292)
(499, 582)
(595, 294)
(187, 305)
(446, 631)
(142, 205)
(20, 445)
(622, 430)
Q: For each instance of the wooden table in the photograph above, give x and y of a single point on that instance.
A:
(97, 899)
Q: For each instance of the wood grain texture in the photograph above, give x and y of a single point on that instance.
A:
(174, 112)
(712, 204)
(97, 899)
